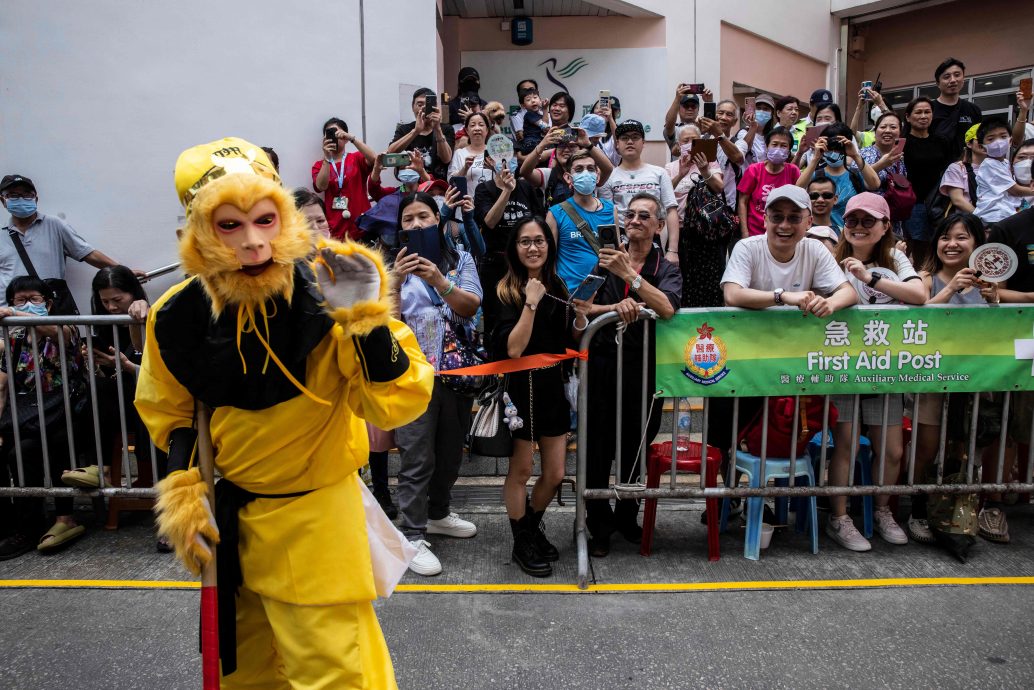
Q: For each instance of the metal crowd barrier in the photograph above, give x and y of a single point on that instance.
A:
(639, 491)
(49, 488)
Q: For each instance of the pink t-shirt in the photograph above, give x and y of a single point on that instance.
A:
(755, 184)
(955, 175)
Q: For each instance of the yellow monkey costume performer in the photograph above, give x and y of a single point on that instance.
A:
(292, 364)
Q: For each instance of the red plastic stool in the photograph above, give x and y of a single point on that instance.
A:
(658, 461)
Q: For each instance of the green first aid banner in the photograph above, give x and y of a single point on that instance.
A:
(736, 353)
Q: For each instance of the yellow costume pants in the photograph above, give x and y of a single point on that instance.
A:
(289, 647)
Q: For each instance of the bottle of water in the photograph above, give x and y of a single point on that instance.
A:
(684, 424)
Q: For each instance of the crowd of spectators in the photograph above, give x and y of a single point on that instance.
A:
(498, 219)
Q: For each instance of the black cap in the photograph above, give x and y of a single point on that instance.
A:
(821, 97)
(689, 98)
(630, 126)
(12, 180)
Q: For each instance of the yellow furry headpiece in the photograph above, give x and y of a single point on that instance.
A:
(243, 182)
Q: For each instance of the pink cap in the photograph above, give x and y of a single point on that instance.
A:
(873, 204)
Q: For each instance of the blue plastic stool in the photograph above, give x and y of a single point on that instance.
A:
(862, 470)
(775, 468)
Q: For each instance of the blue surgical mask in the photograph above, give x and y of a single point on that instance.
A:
(833, 159)
(408, 176)
(34, 309)
(21, 208)
(584, 182)
(762, 117)
(513, 166)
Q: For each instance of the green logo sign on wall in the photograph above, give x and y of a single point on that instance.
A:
(729, 352)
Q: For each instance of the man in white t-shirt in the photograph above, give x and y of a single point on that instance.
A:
(783, 267)
(634, 176)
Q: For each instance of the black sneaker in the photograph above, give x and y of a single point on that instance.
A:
(14, 546)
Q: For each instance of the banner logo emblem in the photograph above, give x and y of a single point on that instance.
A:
(705, 357)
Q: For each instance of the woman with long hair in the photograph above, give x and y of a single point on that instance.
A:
(442, 286)
(469, 161)
(880, 274)
(535, 318)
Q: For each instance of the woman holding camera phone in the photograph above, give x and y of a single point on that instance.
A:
(342, 178)
(535, 317)
(469, 162)
(432, 291)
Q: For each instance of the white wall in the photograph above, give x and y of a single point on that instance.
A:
(100, 97)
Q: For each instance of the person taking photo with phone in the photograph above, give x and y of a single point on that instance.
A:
(469, 162)
(834, 150)
(684, 109)
(427, 134)
(636, 276)
(342, 177)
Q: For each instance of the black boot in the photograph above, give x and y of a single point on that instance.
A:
(525, 554)
(545, 548)
(383, 497)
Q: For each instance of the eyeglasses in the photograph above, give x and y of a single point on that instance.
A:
(643, 216)
(866, 222)
(526, 243)
(821, 195)
(779, 218)
(35, 299)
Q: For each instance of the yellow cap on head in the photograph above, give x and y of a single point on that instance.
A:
(971, 133)
(199, 165)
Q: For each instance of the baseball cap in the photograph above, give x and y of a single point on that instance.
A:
(630, 126)
(873, 204)
(821, 97)
(12, 180)
(199, 165)
(466, 72)
(790, 192)
(689, 98)
(821, 232)
(594, 125)
(971, 133)
(766, 100)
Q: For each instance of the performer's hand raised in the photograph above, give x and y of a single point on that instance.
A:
(346, 280)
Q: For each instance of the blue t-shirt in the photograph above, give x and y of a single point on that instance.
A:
(845, 190)
(575, 258)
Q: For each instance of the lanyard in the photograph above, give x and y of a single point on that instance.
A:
(340, 174)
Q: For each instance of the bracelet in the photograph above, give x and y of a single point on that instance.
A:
(452, 286)
(671, 251)
(575, 324)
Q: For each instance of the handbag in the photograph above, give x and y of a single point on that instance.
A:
(707, 215)
(459, 350)
(489, 435)
(900, 197)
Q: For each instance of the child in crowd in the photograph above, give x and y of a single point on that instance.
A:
(882, 274)
(535, 122)
(998, 193)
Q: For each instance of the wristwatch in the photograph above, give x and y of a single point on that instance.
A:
(778, 294)
(531, 306)
(636, 283)
(875, 279)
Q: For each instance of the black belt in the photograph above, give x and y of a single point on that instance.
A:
(229, 499)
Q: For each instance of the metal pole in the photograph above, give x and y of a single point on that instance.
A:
(973, 437)
(793, 437)
(14, 407)
(703, 443)
(38, 379)
(824, 446)
(942, 443)
(764, 443)
(856, 431)
(730, 474)
(1003, 438)
(93, 407)
(127, 471)
(647, 396)
(914, 443)
(674, 437)
(619, 405)
(883, 440)
(68, 403)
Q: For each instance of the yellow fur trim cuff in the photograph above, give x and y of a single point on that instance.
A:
(185, 518)
(360, 319)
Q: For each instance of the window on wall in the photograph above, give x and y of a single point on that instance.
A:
(994, 94)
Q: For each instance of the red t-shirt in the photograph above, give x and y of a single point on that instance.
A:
(352, 188)
(756, 183)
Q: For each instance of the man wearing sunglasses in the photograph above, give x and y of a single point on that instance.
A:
(822, 192)
(783, 267)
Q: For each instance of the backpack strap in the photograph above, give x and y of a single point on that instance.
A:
(582, 225)
(24, 255)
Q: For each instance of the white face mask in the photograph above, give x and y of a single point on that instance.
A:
(875, 113)
(1022, 171)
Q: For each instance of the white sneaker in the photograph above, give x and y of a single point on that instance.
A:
(424, 562)
(452, 525)
(919, 530)
(842, 531)
(888, 528)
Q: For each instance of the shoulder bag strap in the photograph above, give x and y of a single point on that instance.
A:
(972, 178)
(17, 240)
(583, 227)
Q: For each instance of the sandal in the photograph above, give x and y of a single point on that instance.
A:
(82, 477)
(59, 534)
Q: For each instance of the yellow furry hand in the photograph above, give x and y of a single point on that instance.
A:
(185, 518)
(355, 286)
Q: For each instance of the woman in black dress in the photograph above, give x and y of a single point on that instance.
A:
(535, 318)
